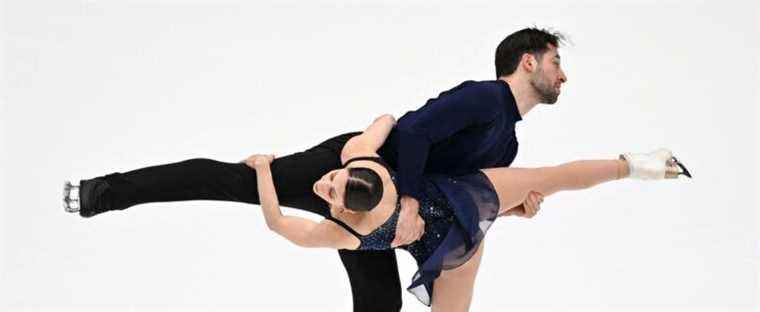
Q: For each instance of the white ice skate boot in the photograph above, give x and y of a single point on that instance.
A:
(659, 164)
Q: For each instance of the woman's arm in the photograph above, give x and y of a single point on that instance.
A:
(300, 231)
(410, 226)
(371, 139)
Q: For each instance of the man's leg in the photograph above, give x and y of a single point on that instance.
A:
(373, 275)
(207, 179)
(374, 280)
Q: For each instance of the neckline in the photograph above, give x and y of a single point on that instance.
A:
(509, 97)
(393, 215)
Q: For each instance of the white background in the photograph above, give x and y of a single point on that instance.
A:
(94, 87)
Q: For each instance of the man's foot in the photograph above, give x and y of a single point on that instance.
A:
(70, 197)
(85, 198)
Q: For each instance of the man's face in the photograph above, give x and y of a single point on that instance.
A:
(548, 77)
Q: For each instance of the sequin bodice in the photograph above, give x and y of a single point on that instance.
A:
(381, 238)
(434, 209)
(438, 216)
(458, 211)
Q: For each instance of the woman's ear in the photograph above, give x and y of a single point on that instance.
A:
(320, 194)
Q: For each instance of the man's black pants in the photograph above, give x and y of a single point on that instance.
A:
(373, 274)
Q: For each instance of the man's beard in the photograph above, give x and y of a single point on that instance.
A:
(546, 92)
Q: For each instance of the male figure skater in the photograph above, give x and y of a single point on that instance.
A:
(468, 127)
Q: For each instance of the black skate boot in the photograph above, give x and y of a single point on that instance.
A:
(85, 198)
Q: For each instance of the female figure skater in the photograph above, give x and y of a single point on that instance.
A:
(457, 210)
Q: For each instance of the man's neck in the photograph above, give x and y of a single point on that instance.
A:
(523, 92)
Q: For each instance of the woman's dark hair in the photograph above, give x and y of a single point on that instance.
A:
(364, 189)
(529, 40)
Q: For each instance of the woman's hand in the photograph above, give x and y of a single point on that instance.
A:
(387, 116)
(256, 161)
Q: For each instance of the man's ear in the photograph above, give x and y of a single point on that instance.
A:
(528, 62)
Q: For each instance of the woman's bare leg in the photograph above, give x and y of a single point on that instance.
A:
(513, 184)
(452, 291)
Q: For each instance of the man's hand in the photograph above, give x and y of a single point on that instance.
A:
(529, 208)
(410, 226)
(532, 204)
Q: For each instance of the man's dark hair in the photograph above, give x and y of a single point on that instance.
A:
(364, 189)
(529, 40)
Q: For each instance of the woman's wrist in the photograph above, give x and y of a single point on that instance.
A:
(261, 166)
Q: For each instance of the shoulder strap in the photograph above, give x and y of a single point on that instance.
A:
(345, 226)
(370, 158)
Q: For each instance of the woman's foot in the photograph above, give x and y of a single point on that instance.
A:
(659, 164)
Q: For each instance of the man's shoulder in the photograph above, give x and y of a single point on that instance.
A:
(476, 84)
(484, 89)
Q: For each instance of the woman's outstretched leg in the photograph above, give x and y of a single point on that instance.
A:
(513, 184)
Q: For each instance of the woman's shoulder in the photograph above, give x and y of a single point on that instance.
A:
(361, 159)
(367, 223)
(347, 155)
(341, 237)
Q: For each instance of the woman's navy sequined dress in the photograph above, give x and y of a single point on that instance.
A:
(458, 210)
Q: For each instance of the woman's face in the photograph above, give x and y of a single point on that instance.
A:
(332, 186)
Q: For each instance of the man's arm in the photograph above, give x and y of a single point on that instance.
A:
(435, 122)
(528, 209)
(418, 131)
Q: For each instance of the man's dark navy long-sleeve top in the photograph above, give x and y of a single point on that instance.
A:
(469, 127)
